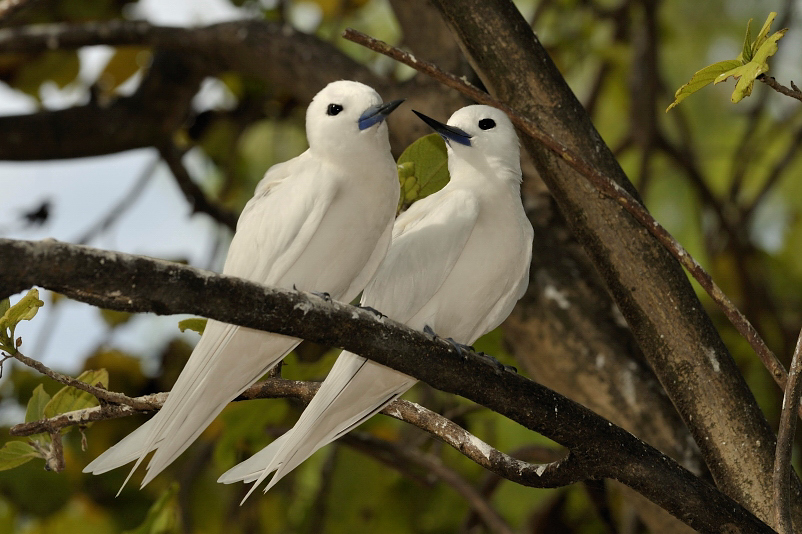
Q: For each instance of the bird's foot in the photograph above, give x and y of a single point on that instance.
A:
(497, 364)
(459, 347)
(322, 294)
(374, 311)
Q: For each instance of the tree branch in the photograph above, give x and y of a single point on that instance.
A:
(785, 444)
(793, 91)
(295, 62)
(604, 184)
(653, 294)
(138, 284)
(193, 193)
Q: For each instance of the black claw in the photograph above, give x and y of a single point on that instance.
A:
(374, 311)
(325, 296)
(428, 331)
(294, 288)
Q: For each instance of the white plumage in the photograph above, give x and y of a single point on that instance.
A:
(458, 262)
(320, 222)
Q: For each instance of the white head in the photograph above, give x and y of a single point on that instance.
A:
(346, 118)
(482, 137)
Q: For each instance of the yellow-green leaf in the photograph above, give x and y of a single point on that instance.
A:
(423, 168)
(747, 73)
(746, 51)
(764, 32)
(36, 405)
(5, 304)
(69, 398)
(196, 324)
(16, 453)
(24, 310)
(703, 78)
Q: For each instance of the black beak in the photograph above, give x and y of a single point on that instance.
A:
(377, 113)
(449, 133)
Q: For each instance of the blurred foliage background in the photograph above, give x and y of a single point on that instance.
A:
(721, 178)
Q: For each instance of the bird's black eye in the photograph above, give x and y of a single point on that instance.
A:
(333, 109)
(486, 124)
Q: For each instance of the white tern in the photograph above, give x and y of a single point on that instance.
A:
(319, 222)
(457, 264)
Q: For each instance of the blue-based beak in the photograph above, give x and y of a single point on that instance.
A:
(449, 133)
(376, 114)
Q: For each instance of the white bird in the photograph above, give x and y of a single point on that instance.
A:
(458, 262)
(319, 222)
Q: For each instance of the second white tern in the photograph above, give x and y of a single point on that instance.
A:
(457, 264)
(319, 222)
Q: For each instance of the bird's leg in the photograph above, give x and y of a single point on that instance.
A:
(322, 294)
(494, 362)
(374, 311)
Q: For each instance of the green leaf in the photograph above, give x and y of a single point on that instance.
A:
(703, 78)
(36, 406)
(747, 52)
(163, 517)
(24, 310)
(747, 73)
(16, 453)
(762, 36)
(196, 324)
(5, 304)
(68, 398)
(423, 168)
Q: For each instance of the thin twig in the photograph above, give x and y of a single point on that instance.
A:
(793, 92)
(100, 393)
(193, 193)
(560, 472)
(785, 443)
(603, 183)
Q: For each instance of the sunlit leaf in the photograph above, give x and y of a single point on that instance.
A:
(746, 51)
(24, 310)
(16, 453)
(747, 73)
(164, 517)
(68, 398)
(701, 79)
(423, 168)
(764, 33)
(750, 64)
(196, 324)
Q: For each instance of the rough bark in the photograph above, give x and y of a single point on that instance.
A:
(597, 448)
(653, 294)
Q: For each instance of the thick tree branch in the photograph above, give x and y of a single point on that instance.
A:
(605, 185)
(297, 63)
(649, 286)
(138, 284)
(785, 444)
